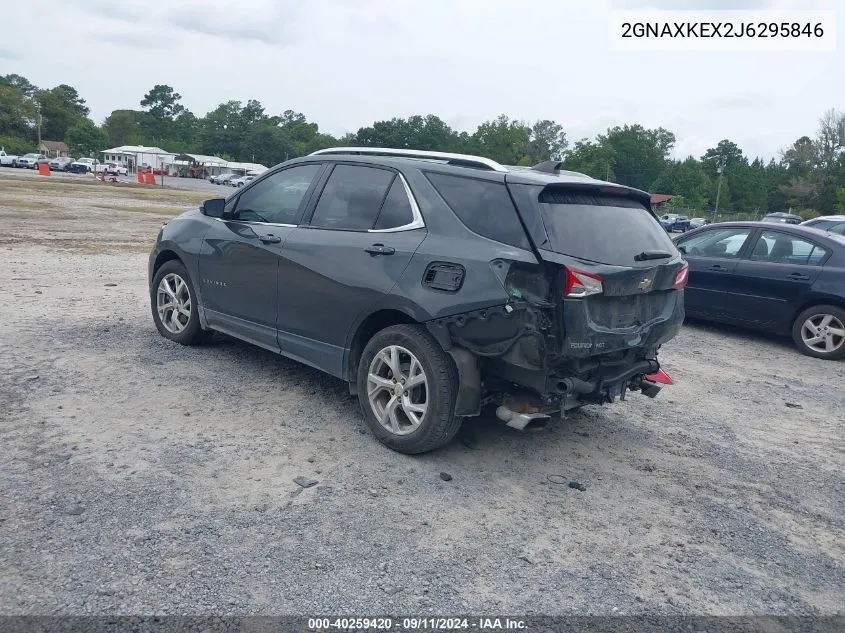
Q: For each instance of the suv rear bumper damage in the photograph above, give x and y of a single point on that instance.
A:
(519, 347)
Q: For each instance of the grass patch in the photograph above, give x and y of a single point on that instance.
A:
(24, 204)
(168, 211)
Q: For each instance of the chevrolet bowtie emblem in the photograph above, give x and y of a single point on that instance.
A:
(645, 284)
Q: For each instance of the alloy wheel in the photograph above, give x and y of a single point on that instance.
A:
(823, 333)
(173, 302)
(397, 390)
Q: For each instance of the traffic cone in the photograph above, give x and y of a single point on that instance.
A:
(140, 178)
(150, 178)
(44, 169)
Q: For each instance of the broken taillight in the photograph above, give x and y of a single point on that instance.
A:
(681, 277)
(580, 283)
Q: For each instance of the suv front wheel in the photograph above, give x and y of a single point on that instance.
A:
(407, 387)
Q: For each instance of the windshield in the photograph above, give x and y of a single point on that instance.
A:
(601, 228)
(30, 155)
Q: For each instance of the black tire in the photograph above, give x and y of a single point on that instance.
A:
(439, 425)
(837, 314)
(192, 334)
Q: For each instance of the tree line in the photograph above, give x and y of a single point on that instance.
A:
(807, 176)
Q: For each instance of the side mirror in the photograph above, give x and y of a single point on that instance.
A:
(683, 249)
(213, 208)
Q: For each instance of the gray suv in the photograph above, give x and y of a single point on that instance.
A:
(434, 284)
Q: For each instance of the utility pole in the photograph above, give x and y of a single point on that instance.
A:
(38, 126)
(720, 170)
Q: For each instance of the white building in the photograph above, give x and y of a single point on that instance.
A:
(134, 156)
(245, 168)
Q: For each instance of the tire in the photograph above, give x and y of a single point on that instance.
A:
(827, 323)
(437, 425)
(191, 333)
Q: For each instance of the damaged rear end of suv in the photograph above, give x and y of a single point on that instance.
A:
(584, 315)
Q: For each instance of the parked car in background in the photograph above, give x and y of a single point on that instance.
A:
(61, 163)
(240, 182)
(784, 279)
(8, 160)
(694, 223)
(222, 179)
(672, 222)
(832, 223)
(785, 218)
(83, 165)
(431, 287)
(32, 160)
(112, 169)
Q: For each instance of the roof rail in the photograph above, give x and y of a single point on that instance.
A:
(554, 167)
(464, 160)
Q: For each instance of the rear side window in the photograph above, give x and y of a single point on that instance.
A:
(601, 228)
(483, 206)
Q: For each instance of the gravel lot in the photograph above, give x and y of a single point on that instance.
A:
(143, 477)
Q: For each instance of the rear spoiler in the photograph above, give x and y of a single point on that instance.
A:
(606, 188)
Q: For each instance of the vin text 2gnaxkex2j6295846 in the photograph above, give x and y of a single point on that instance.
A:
(435, 284)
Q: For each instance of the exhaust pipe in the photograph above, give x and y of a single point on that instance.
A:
(649, 388)
(520, 421)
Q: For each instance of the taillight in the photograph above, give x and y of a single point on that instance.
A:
(580, 283)
(681, 277)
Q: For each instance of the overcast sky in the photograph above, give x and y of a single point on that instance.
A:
(347, 63)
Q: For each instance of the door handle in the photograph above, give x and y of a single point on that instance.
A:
(799, 276)
(380, 249)
(718, 267)
(270, 238)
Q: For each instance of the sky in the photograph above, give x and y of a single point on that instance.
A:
(347, 63)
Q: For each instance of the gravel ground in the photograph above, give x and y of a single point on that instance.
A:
(143, 477)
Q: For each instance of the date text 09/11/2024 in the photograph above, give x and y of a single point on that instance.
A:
(416, 624)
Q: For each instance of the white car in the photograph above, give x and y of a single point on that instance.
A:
(8, 160)
(60, 163)
(240, 182)
(112, 169)
(222, 179)
(31, 161)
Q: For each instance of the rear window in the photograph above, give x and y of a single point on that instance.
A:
(601, 228)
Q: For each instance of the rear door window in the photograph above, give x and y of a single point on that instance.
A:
(781, 248)
(601, 228)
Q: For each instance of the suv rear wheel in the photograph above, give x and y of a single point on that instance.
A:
(820, 331)
(407, 387)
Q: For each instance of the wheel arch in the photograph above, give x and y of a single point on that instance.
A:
(165, 256)
(365, 330)
(837, 302)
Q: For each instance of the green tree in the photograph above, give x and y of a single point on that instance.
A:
(17, 113)
(61, 107)
(548, 141)
(503, 140)
(726, 151)
(688, 179)
(85, 138)
(27, 88)
(162, 106)
(640, 154)
(121, 128)
(591, 158)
